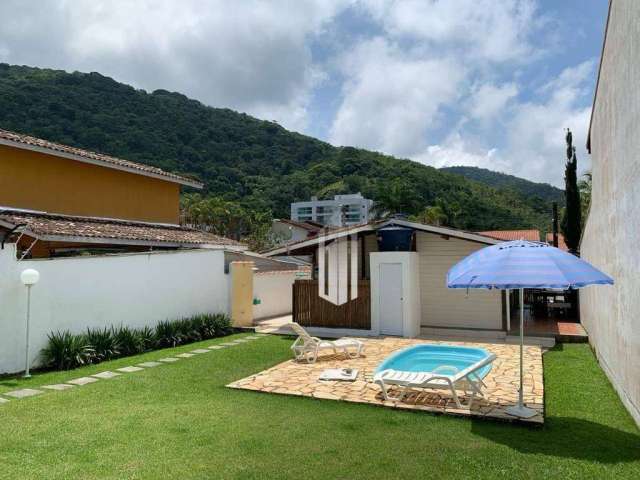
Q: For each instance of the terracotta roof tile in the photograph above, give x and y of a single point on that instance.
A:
(561, 243)
(106, 160)
(85, 229)
(507, 235)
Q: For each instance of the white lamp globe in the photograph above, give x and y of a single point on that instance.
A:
(29, 277)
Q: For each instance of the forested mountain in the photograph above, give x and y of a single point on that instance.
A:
(544, 191)
(256, 163)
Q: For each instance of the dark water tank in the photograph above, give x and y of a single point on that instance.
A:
(395, 239)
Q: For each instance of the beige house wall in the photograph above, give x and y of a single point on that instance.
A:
(611, 314)
(452, 308)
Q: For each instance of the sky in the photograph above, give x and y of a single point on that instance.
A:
(487, 83)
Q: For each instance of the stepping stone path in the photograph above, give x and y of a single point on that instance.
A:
(30, 392)
(149, 364)
(129, 369)
(106, 375)
(58, 386)
(23, 393)
(82, 381)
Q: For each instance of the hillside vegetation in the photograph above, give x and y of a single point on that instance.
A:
(255, 163)
(543, 191)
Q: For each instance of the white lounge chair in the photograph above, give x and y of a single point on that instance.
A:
(308, 348)
(464, 380)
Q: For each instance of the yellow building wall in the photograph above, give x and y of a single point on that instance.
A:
(38, 181)
(242, 293)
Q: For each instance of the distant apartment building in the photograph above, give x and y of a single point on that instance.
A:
(343, 210)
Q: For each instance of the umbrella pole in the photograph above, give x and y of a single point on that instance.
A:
(520, 410)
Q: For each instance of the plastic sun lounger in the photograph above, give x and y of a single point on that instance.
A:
(308, 348)
(466, 379)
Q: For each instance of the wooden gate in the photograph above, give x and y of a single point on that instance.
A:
(310, 310)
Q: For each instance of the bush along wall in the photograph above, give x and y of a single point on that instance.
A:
(65, 350)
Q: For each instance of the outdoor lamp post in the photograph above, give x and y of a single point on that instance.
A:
(29, 278)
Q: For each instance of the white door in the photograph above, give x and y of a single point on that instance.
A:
(390, 295)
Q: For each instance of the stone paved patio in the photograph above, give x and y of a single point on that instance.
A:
(301, 379)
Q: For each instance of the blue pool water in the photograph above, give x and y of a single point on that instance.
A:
(426, 358)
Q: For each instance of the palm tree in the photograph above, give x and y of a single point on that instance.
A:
(431, 216)
(395, 197)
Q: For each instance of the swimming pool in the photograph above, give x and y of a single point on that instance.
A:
(428, 357)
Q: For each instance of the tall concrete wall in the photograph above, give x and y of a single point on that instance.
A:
(274, 290)
(611, 238)
(75, 293)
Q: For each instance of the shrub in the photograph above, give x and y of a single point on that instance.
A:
(201, 327)
(147, 338)
(130, 340)
(104, 343)
(221, 324)
(169, 334)
(65, 351)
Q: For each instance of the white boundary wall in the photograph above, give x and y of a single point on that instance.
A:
(275, 291)
(132, 289)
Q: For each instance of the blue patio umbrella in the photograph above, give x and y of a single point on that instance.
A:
(523, 264)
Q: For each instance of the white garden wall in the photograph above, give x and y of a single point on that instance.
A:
(134, 290)
(275, 291)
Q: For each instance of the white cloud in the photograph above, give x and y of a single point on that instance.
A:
(534, 143)
(484, 29)
(489, 100)
(391, 97)
(251, 56)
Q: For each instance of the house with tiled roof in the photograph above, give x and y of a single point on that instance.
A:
(532, 235)
(105, 237)
(56, 200)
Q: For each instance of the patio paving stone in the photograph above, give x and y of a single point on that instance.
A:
(501, 391)
(228, 344)
(200, 350)
(169, 360)
(106, 375)
(23, 393)
(215, 347)
(58, 386)
(149, 364)
(82, 381)
(129, 369)
(185, 355)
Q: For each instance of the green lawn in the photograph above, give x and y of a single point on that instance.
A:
(179, 421)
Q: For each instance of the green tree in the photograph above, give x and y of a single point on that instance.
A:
(584, 186)
(431, 216)
(572, 219)
(228, 219)
(396, 196)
